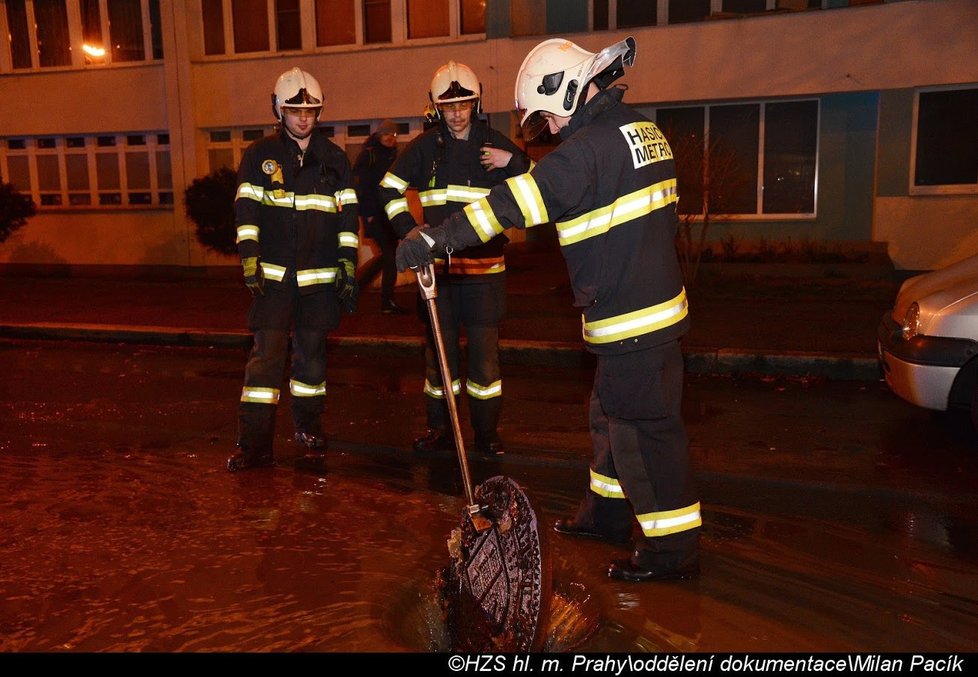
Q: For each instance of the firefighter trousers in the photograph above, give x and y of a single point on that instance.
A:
(641, 464)
(477, 308)
(271, 315)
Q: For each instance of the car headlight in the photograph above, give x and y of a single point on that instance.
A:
(911, 322)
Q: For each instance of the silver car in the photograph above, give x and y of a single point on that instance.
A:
(928, 343)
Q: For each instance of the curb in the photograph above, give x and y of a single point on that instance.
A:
(699, 360)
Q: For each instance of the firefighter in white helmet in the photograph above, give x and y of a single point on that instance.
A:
(610, 186)
(453, 164)
(296, 217)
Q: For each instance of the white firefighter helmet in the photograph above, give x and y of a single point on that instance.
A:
(454, 82)
(555, 75)
(296, 89)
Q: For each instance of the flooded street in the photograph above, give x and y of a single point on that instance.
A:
(836, 517)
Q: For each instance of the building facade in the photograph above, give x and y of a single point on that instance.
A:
(847, 121)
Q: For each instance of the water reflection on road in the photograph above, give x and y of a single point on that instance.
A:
(120, 530)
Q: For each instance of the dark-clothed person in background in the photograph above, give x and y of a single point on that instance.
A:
(372, 163)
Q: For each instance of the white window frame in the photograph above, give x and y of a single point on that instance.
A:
(944, 189)
(91, 149)
(237, 144)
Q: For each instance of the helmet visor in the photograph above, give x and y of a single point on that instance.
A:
(532, 124)
(455, 92)
(303, 99)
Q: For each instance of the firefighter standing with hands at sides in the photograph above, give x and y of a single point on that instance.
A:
(610, 186)
(452, 164)
(296, 217)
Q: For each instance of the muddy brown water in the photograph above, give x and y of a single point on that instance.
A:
(121, 531)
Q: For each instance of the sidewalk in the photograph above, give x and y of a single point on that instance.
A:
(757, 323)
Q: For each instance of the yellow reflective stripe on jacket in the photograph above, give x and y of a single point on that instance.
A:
(249, 191)
(395, 207)
(283, 199)
(306, 278)
(247, 232)
(347, 239)
(483, 220)
(486, 266)
(629, 325)
(272, 272)
(347, 196)
(451, 193)
(436, 196)
(528, 199)
(259, 395)
(481, 392)
(300, 389)
(622, 210)
(394, 181)
(606, 486)
(670, 521)
(438, 392)
(322, 203)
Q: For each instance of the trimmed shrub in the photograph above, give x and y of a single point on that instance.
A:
(210, 205)
(15, 209)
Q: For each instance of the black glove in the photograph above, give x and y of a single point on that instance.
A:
(253, 277)
(347, 289)
(418, 247)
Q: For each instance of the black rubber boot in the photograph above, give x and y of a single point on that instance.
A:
(239, 460)
(435, 439)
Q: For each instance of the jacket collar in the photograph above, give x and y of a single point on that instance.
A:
(603, 101)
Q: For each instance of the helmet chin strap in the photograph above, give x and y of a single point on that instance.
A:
(296, 136)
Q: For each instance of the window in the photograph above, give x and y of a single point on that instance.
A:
(682, 11)
(633, 13)
(20, 45)
(376, 21)
(226, 146)
(126, 30)
(759, 158)
(249, 26)
(743, 6)
(81, 171)
(335, 23)
(288, 25)
(53, 41)
(427, 18)
(212, 13)
(473, 17)
(42, 32)
(92, 44)
(945, 144)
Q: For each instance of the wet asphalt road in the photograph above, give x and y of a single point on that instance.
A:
(836, 517)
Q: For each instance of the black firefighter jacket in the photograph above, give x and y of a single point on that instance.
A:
(448, 175)
(610, 186)
(299, 217)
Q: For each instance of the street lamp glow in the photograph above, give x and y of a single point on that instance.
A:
(93, 51)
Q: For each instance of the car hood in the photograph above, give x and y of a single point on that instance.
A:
(948, 300)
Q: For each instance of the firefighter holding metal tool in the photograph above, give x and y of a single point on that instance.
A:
(610, 187)
(452, 164)
(296, 217)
